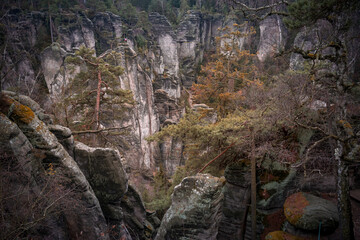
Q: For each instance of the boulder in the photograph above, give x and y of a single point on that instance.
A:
(195, 211)
(306, 211)
(280, 235)
(64, 136)
(103, 169)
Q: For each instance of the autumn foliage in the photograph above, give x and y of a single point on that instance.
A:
(230, 69)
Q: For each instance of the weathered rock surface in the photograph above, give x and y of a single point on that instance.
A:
(140, 223)
(157, 70)
(102, 205)
(195, 211)
(236, 199)
(25, 133)
(273, 36)
(280, 235)
(273, 193)
(64, 136)
(307, 211)
(102, 167)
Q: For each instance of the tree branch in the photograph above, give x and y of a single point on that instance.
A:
(246, 7)
(98, 130)
(309, 150)
(202, 169)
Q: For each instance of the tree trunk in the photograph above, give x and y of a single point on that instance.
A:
(253, 187)
(97, 105)
(344, 205)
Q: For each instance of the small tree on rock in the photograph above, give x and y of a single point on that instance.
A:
(95, 95)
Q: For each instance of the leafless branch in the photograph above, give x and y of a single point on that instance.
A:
(306, 159)
(206, 165)
(98, 130)
(270, 6)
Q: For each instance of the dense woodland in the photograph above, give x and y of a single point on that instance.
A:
(307, 119)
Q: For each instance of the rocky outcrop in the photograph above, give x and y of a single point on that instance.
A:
(140, 223)
(276, 182)
(195, 211)
(308, 212)
(155, 77)
(76, 30)
(169, 64)
(236, 199)
(64, 136)
(273, 37)
(103, 169)
(311, 40)
(91, 192)
(25, 134)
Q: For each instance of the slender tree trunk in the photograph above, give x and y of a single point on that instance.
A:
(97, 105)
(253, 187)
(344, 205)
(50, 23)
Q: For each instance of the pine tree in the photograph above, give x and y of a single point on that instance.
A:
(95, 94)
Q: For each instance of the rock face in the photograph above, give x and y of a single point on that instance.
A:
(25, 132)
(307, 211)
(273, 37)
(141, 224)
(156, 77)
(92, 192)
(277, 182)
(102, 167)
(236, 198)
(195, 211)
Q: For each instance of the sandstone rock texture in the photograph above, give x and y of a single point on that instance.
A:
(103, 169)
(236, 199)
(24, 133)
(307, 211)
(156, 77)
(280, 235)
(95, 201)
(195, 211)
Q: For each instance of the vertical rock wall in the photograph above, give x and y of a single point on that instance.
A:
(155, 77)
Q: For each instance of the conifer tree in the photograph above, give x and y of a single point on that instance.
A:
(229, 70)
(95, 94)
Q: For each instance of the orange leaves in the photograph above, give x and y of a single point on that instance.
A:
(230, 70)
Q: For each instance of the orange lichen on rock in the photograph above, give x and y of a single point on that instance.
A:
(280, 235)
(15, 110)
(22, 113)
(294, 207)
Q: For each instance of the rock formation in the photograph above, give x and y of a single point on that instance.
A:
(309, 212)
(195, 210)
(155, 77)
(93, 180)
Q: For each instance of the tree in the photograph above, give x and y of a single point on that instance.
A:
(95, 94)
(306, 12)
(229, 70)
(330, 72)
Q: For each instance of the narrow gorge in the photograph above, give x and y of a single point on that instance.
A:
(220, 84)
